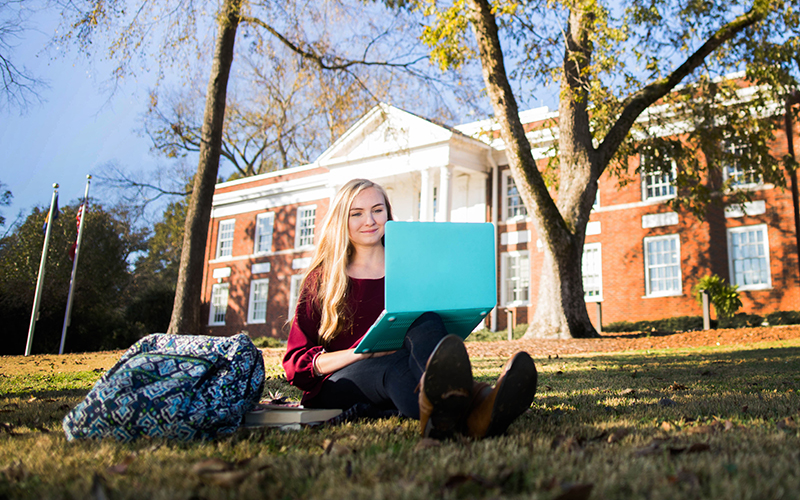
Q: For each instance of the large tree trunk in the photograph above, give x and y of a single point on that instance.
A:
(561, 310)
(186, 310)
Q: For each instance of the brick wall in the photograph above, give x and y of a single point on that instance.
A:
(279, 275)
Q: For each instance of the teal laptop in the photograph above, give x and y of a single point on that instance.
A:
(445, 267)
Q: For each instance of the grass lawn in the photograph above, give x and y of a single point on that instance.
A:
(719, 423)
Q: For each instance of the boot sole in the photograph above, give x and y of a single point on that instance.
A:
(448, 382)
(514, 395)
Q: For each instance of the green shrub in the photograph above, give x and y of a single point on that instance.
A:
(486, 335)
(783, 318)
(676, 324)
(741, 320)
(724, 297)
(268, 342)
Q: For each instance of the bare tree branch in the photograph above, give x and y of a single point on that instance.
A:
(17, 86)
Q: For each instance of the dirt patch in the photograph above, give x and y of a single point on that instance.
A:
(54, 363)
(609, 342)
(81, 362)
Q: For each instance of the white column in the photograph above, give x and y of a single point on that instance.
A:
(426, 196)
(445, 194)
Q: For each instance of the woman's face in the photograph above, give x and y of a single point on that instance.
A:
(367, 218)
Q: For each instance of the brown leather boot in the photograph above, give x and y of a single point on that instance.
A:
(494, 408)
(444, 389)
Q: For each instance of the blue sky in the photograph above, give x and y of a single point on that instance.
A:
(76, 130)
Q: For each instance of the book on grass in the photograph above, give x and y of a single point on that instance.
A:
(270, 414)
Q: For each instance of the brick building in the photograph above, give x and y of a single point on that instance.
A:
(641, 258)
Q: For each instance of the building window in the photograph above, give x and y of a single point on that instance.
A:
(304, 233)
(513, 206)
(748, 249)
(294, 293)
(734, 172)
(516, 279)
(225, 238)
(258, 301)
(219, 304)
(592, 271)
(662, 262)
(263, 237)
(657, 184)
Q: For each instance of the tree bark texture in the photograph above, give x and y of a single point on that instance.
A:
(186, 310)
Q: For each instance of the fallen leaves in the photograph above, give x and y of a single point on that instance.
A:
(657, 446)
(459, 480)
(667, 426)
(221, 473)
(99, 490)
(122, 467)
(334, 448)
(426, 444)
(700, 429)
(651, 449)
(569, 491)
(15, 472)
(618, 435)
(685, 477)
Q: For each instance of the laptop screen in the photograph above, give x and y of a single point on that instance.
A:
(434, 266)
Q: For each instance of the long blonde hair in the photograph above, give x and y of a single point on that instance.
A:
(333, 254)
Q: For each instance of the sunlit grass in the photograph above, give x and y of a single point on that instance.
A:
(697, 423)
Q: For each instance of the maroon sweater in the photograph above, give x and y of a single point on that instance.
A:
(365, 300)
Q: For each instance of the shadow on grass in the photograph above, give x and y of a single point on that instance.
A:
(744, 385)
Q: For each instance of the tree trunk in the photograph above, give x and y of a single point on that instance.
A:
(561, 310)
(186, 309)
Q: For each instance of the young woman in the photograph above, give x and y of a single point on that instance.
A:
(429, 378)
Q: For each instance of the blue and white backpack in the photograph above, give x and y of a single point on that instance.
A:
(172, 386)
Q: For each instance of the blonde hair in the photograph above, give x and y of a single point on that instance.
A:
(333, 254)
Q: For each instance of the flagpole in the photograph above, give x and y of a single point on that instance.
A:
(40, 281)
(82, 212)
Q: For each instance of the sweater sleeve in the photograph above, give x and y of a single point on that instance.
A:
(302, 346)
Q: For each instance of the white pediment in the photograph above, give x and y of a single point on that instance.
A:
(384, 131)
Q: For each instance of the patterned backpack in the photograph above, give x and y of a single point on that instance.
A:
(172, 386)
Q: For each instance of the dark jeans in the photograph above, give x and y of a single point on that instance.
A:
(389, 381)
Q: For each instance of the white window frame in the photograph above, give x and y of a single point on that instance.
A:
(647, 183)
(508, 178)
(763, 229)
(597, 265)
(222, 230)
(648, 266)
(525, 281)
(736, 170)
(299, 240)
(294, 293)
(217, 302)
(266, 248)
(252, 304)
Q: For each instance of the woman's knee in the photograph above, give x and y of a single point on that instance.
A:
(428, 320)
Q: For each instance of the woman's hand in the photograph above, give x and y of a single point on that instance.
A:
(329, 362)
(378, 354)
